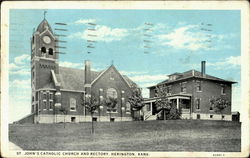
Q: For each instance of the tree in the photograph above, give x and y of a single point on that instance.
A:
(220, 104)
(91, 104)
(163, 104)
(111, 104)
(64, 111)
(136, 100)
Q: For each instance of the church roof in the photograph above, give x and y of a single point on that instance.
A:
(73, 79)
(43, 26)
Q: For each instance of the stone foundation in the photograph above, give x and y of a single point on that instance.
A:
(77, 118)
(213, 117)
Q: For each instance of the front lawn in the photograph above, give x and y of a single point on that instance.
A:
(171, 135)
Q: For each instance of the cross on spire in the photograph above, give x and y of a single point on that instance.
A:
(112, 62)
(44, 14)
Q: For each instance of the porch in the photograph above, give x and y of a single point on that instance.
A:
(181, 101)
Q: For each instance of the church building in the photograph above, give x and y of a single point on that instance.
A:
(59, 93)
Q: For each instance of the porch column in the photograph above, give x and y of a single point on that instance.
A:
(177, 103)
(151, 107)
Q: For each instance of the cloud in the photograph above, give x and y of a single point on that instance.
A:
(148, 78)
(145, 81)
(229, 62)
(22, 59)
(20, 66)
(185, 38)
(102, 33)
(132, 72)
(21, 71)
(20, 84)
(85, 21)
(70, 64)
(191, 37)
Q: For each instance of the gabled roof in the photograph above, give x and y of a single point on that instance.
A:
(129, 82)
(192, 74)
(73, 79)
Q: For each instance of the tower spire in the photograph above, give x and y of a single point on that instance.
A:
(44, 14)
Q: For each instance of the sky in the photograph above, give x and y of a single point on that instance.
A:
(145, 45)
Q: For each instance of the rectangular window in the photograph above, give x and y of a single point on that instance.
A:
(222, 117)
(168, 89)
(51, 96)
(36, 96)
(198, 116)
(44, 105)
(211, 116)
(198, 88)
(198, 102)
(94, 119)
(183, 87)
(44, 96)
(50, 105)
(155, 92)
(223, 91)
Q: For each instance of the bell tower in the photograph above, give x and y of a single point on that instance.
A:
(44, 61)
(43, 55)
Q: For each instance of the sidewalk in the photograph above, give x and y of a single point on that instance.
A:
(13, 146)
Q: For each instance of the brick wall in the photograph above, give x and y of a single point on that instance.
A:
(104, 82)
(209, 89)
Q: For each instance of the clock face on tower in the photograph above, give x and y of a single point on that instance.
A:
(46, 39)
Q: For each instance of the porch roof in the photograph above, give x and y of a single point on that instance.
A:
(173, 96)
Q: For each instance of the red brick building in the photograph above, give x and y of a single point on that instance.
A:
(55, 88)
(191, 93)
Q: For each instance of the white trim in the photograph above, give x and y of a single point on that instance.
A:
(107, 70)
(43, 58)
(99, 76)
(68, 90)
(54, 78)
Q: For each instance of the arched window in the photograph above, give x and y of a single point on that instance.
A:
(72, 104)
(128, 107)
(43, 50)
(111, 93)
(50, 51)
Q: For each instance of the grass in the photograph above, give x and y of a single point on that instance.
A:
(171, 135)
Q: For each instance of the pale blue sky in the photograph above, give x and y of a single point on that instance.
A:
(179, 43)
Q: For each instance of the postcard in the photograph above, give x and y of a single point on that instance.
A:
(125, 79)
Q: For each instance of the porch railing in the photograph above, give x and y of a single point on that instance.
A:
(185, 110)
(147, 115)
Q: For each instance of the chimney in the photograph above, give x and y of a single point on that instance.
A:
(203, 68)
(87, 76)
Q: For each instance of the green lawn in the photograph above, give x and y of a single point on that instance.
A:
(171, 135)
